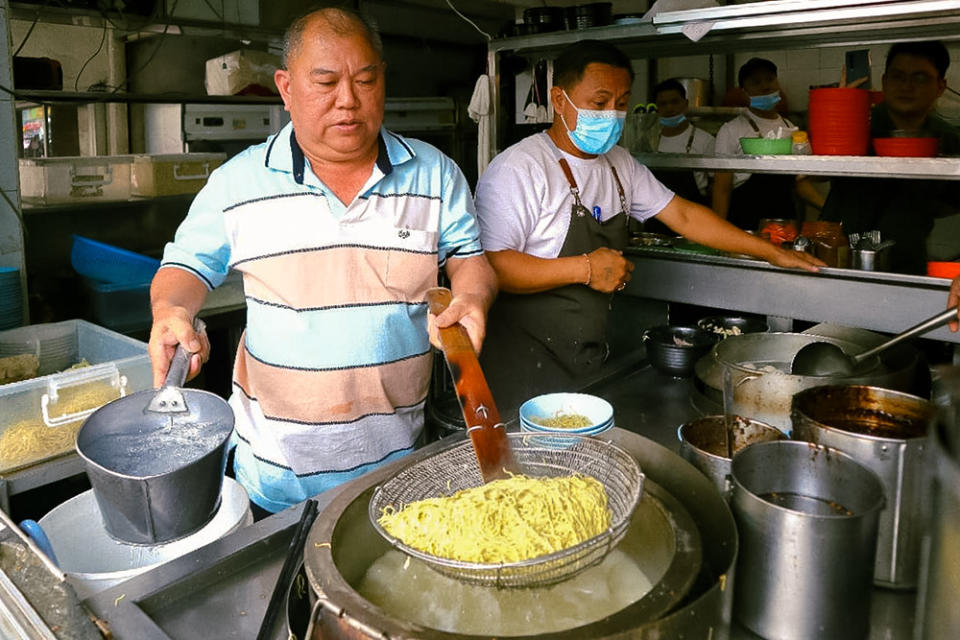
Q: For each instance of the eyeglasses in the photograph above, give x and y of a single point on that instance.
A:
(918, 79)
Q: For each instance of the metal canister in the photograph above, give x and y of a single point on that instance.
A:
(708, 443)
(886, 431)
(938, 616)
(807, 517)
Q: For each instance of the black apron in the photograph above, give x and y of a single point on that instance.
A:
(683, 183)
(763, 195)
(554, 340)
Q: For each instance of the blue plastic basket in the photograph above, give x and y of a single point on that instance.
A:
(107, 263)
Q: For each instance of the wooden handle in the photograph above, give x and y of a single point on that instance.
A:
(486, 430)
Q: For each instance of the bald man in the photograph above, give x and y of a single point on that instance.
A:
(339, 227)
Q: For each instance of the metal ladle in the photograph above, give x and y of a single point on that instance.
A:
(826, 359)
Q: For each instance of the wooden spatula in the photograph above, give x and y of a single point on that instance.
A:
(486, 431)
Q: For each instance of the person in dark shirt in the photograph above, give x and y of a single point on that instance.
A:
(903, 210)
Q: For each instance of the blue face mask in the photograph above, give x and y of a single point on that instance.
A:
(673, 121)
(765, 103)
(596, 131)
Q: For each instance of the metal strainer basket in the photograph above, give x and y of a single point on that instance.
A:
(537, 456)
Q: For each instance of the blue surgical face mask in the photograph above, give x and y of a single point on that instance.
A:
(596, 131)
(765, 103)
(673, 121)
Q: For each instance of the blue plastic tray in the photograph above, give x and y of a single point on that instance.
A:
(107, 263)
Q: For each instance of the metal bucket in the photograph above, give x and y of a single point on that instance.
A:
(886, 431)
(807, 517)
(938, 616)
(156, 478)
(93, 561)
(703, 443)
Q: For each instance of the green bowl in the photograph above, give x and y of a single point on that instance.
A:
(766, 147)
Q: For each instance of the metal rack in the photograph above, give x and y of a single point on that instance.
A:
(774, 25)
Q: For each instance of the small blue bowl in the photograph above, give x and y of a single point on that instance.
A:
(598, 410)
(107, 263)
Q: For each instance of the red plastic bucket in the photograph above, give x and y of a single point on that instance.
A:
(840, 121)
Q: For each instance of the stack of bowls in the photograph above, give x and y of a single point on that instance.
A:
(551, 405)
(11, 298)
(840, 121)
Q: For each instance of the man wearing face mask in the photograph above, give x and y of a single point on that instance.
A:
(679, 135)
(744, 198)
(553, 212)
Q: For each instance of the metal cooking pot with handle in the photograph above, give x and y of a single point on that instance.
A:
(156, 459)
(751, 374)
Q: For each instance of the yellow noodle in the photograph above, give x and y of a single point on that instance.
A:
(564, 421)
(31, 440)
(508, 520)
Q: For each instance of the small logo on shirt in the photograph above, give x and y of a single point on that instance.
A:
(403, 233)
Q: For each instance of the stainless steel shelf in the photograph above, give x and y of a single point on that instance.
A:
(848, 297)
(783, 24)
(863, 166)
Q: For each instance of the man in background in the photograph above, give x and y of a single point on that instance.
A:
(744, 198)
(903, 210)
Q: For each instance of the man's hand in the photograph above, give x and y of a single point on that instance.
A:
(796, 260)
(467, 309)
(954, 299)
(173, 326)
(609, 270)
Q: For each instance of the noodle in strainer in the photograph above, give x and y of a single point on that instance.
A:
(589, 461)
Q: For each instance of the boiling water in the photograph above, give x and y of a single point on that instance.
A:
(408, 589)
(154, 452)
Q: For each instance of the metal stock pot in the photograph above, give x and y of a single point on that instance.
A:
(750, 374)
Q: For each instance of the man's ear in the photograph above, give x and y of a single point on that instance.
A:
(556, 96)
(281, 77)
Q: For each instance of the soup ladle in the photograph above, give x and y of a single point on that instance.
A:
(826, 359)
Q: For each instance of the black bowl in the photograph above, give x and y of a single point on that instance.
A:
(674, 350)
(725, 325)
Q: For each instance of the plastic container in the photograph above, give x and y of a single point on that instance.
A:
(120, 307)
(907, 147)
(172, 174)
(801, 144)
(840, 121)
(766, 146)
(75, 178)
(111, 264)
(41, 416)
(943, 269)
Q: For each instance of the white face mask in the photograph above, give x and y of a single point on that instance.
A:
(596, 131)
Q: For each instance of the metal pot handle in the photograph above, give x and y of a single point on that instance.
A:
(180, 363)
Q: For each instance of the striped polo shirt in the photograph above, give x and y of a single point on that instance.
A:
(334, 366)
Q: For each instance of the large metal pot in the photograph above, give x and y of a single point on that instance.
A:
(156, 458)
(885, 431)
(697, 91)
(938, 616)
(737, 369)
(342, 544)
(807, 517)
